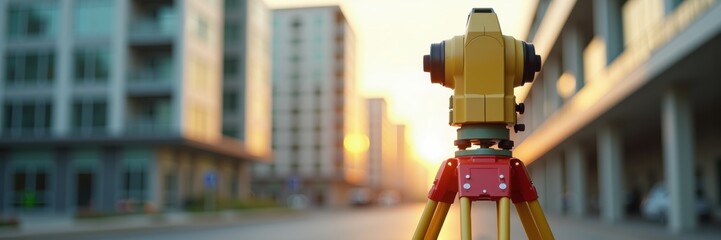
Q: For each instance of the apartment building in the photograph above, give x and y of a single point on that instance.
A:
(624, 110)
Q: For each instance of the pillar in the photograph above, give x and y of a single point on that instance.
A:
(576, 165)
(608, 25)
(573, 54)
(678, 159)
(554, 184)
(538, 176)
(610, 174)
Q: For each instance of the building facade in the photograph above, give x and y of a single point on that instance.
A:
(112, 105)
(384, 150)
(319, 141)
(625, 104)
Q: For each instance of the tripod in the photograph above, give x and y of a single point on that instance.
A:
(483, 174)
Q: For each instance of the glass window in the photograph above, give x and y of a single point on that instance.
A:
(232, 4)
(230, 101)
(202, 30)
(32, 20)
(93, 18)
(230, 66)
(89, 117)
(27, 118)
(232, 31)
(91, 65)
(28, 68)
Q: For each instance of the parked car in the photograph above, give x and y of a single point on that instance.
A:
(360, 197)
(656, 204)
(389, 198)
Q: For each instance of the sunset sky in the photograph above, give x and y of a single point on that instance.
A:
(392, 37)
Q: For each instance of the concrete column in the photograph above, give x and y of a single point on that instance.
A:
(4, 175)
(610, 174)
(554, 184)
(551, 73)
(573, 54)
(607, 24)
(62, 82)
(110, 180)
(538, 176)
(118, 75)
(62, 179)
(576, 165)
(3, 26)
(244, 179)
(678, 159)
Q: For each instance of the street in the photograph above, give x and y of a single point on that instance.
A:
(371, 223)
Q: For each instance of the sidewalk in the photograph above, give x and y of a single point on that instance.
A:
(575, 228)
(51, 225)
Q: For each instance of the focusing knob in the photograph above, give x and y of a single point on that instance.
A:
(519, 128)
(521, 108)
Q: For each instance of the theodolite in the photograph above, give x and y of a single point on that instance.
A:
(483, 66)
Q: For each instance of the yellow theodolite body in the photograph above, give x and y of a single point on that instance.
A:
(482, 67)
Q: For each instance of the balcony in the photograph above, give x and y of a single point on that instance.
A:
(153, 22)
(149, 116)
(151, 73)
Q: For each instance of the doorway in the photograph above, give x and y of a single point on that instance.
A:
(84, 190)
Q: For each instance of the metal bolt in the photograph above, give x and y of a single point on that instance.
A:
(484, 191)
(502, 186)
(468, 176)
(501, 176)
(466, 186)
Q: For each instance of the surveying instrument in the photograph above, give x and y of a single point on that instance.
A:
(482, 67)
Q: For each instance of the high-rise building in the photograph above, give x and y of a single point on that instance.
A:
(625, 109)
(246, 75)
(114, 105)
(319, 138)
(384, 164)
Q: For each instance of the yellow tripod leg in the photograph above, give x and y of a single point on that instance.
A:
(529, 225)
(503, 213)
(540, 220)
(437, 221)
(425, 220)
(465, 218)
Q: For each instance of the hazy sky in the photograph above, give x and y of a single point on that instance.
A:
(391, 38)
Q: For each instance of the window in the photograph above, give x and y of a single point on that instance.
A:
(93, 18)
(134, 185)
(91, 66)
(27, 68)
(32, 20)
(27, 118)
(232, 4)
(230, 131)
(233, 31)
(202, 29)
(230, 102)
(89, 117)
(232, 67)
(30, 188)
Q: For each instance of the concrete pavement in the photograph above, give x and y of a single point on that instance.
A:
(375, 223)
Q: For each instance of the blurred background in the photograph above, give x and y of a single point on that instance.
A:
(313, 119)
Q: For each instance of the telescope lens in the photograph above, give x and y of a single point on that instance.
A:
(531, 62)
(435, 62)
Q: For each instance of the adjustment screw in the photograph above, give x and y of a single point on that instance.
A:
(466, 186)
(519, 128)
(502, 186)
(521, 108)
